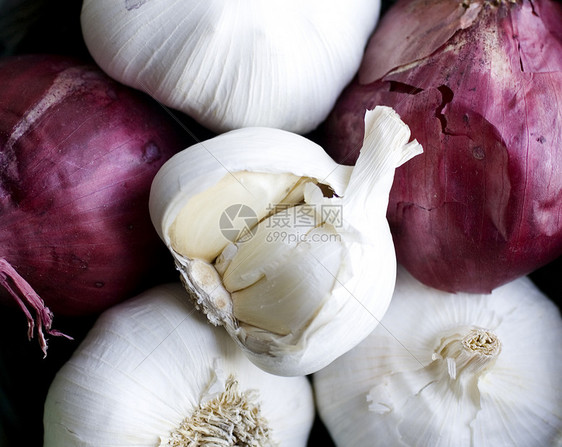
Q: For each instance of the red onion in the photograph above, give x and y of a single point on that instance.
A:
(480, 85)
(78, 153)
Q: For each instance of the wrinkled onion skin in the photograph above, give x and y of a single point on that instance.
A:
(74, 183)
(483, 204)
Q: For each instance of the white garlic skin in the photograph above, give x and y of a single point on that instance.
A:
(146, 365)
(393, 389)
(232, 64)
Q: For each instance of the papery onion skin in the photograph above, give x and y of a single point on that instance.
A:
(480, 85)
(78, 153)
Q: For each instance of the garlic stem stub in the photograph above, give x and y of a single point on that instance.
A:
(153, 372)
(450, 370)
(286, 249)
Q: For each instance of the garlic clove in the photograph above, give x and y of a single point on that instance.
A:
(204, 237)
(311, 263)
(282, 240)
(285, 295)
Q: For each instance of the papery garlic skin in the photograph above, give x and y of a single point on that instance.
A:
(450, 370)
(231, 64)
(293, 297)
(150, 363)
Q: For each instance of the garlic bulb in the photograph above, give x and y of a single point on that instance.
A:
(451, 370)
(232, 64)
(286, 249)
(152, 372)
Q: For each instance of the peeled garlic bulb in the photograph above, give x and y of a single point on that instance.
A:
(286, 249)
(450, 370)
(232, 64)
(152, 372)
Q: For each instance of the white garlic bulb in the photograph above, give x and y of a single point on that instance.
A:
(447, 370)
(153, 372)
(310, 270)
(232, 64)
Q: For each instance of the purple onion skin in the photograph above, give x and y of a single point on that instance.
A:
(74, 182)
(481, 89)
